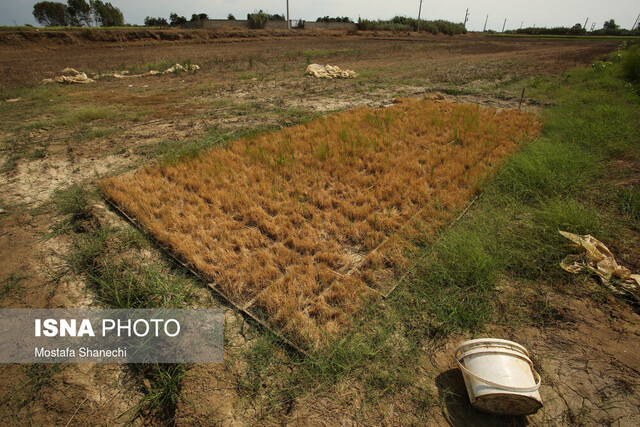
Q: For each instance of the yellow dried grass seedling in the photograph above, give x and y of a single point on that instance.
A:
(283, 222)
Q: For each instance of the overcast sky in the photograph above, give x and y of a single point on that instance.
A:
(540, 13)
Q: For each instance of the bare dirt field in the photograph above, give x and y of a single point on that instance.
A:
(53, 137)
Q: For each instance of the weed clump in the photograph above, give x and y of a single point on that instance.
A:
(629, 202)
(258, 20)
(74, 202)
(631, 65)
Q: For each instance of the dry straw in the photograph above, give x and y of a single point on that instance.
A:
(299, 226)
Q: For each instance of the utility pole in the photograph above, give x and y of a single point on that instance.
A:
(504, 25)
(288, 20)
(466, 17)
(419, 13)
(636, 24)
(485, 24)
(585, 24)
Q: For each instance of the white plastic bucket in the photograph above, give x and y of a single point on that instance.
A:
(499, 376)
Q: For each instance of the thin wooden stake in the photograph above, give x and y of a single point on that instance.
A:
(521, 98)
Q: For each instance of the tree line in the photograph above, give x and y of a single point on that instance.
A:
(336, 19)
(174, 20)
(609, 28)
(77, 13)
(404, 23)
(256, 19)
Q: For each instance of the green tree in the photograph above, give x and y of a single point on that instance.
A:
(230, 17)
(174, 19)
(155, 22)
(610, 28)
(577, 30)
(199, 16)
(51, 14)
(79, 13)
(610, 25)
(106, 14)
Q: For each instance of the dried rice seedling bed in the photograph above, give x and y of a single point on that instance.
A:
(297, 226)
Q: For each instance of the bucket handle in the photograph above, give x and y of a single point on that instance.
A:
(504, 387)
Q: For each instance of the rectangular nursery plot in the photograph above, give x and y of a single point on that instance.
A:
(298, 226)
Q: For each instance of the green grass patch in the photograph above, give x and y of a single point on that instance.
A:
(629, 203)
(161, 392)
(11, 284)
(172, 152)
(87, 114)
(546, 169)
(97, 132)
(128, 285)
(74, 202)
(40, 93)
(295, 115)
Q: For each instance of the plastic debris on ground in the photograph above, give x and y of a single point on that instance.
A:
(70, 75)
(330, 72)
(595, 257)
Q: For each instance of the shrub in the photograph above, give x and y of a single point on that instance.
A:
(258, 20)
(155, 22)
(177, 20)
(631, 65)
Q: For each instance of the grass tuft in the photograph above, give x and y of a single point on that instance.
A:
(547, 169)
(629, 202)
(10, 284)
(74, 202)
(161, 388)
